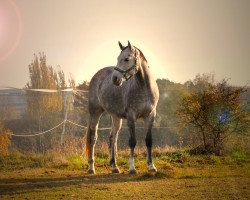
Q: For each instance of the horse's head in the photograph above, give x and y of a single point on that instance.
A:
(128, 63)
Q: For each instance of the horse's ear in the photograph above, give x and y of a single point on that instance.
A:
(129, 45)
(121, 46)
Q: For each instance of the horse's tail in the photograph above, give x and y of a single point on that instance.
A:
(88, 141)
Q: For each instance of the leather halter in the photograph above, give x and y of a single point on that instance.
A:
(125, 73)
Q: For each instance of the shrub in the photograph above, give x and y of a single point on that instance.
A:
(214, 111)
(200, 150)
(5, 136)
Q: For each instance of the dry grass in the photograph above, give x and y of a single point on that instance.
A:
(71, 146)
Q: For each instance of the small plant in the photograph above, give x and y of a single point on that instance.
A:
(188, 177)
(200, 150)
(178, 156)
(76, 162)
(215, 160)
(156, 175)
(239, 156)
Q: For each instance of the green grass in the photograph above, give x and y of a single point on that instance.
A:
(240, 156)
(179, 176)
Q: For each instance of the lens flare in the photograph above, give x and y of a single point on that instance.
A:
(10, 28)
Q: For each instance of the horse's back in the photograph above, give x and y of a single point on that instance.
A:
(96, 81)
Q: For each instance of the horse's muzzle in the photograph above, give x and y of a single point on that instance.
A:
(116, 81)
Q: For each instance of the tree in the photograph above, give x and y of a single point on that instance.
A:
(43, 76)
(214, 111)
(45, 109)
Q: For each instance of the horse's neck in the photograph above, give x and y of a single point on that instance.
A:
(144, 76)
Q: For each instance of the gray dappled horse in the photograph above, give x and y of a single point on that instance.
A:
(127, 91)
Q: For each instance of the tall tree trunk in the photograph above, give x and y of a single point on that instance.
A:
(204, 138)
(217, 144)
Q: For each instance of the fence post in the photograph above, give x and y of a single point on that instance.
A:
(66, 105)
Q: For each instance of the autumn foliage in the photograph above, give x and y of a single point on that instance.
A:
(214, 111)
(5, 136)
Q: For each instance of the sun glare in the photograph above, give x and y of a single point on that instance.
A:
(10, 28)
(106, 54)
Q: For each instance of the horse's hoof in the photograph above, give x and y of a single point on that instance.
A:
(91, 171)
(115, 171)
(133, 171)
(152, 170)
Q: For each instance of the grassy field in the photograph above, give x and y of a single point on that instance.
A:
(180, 176)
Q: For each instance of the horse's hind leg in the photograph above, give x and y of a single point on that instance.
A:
(91, 139)
(116, 126)
(148, 126)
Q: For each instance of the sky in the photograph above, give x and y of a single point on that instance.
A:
(179, 38)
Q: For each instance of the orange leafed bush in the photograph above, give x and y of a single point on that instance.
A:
(5, 136)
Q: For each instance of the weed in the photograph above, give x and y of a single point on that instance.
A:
(153, 175)
(215, 160)
(239, 156)
(188, 177)
(76, 162)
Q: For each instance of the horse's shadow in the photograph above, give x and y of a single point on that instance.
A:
(10, 186)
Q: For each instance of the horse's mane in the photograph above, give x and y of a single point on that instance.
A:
(142, 55)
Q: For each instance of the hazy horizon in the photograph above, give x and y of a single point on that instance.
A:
(179, 38)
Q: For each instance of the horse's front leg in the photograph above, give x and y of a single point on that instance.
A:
(132, 143)
(91, 141)
(148, 126)
(116, 126)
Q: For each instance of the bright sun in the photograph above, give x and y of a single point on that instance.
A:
(106, 54)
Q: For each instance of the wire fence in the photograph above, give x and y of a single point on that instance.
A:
(72, 90)
(75, 124)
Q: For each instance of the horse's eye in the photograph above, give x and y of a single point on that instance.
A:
(126, 59)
